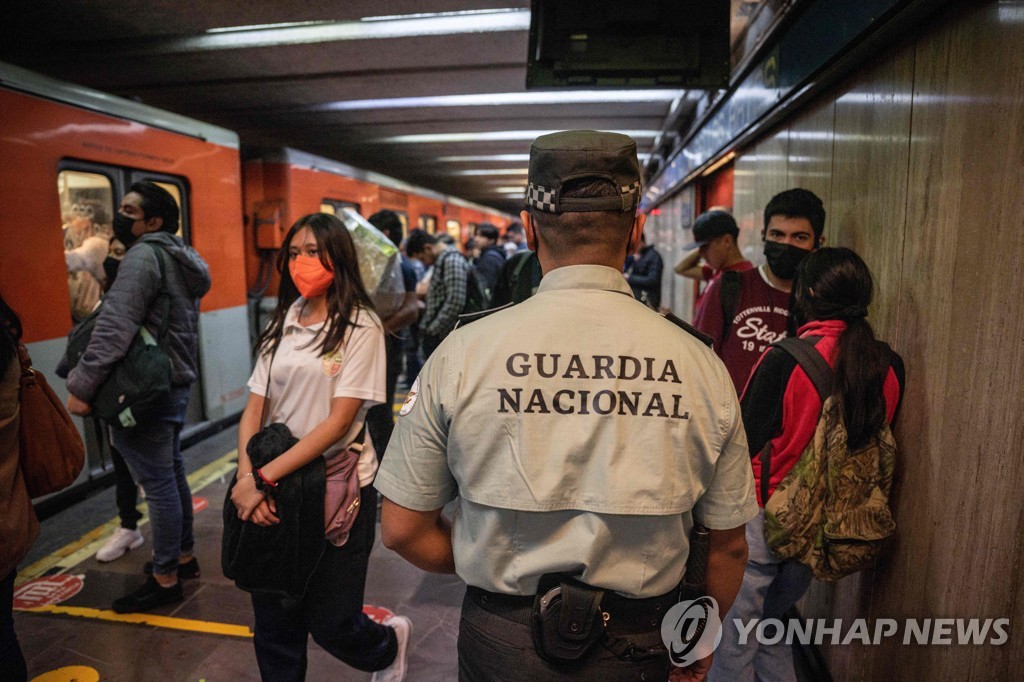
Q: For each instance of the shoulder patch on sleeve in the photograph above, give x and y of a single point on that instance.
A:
(410, 400)
(689, 329)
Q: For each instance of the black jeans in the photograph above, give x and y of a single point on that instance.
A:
(380, 419)
(331, 611)
(492, 648)
(126, 492)
(12, 663)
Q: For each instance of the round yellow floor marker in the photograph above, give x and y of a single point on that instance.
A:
(71, 673)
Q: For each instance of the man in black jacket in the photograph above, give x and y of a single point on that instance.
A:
(645, 276)
(492, 256)
(146, 223)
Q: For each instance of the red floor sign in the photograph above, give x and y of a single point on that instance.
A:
(377, 614)
(199, 504)
(52, 589)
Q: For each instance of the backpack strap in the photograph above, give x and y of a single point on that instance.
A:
(818, 371)
(730, 298)
(811, 361)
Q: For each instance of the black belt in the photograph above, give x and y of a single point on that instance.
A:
(622, 615)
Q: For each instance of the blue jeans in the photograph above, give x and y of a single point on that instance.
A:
(771, 586)
(152, 451)
(12, 662)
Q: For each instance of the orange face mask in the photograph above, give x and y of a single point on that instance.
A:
(310, 276)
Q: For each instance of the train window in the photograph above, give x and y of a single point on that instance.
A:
(335, 206)
(404, 217)
(455, 230)
(87, 209)
(428, 223)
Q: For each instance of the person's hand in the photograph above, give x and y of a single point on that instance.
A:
(695, 672)
(78, 407)
(246, 497)
(265, 513)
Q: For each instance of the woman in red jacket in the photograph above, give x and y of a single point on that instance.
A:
(832, 291)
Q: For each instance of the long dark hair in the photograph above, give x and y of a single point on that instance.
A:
(835, 284)
(10, 335)
(345, 295)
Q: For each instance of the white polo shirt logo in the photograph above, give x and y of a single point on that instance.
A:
(331, 364)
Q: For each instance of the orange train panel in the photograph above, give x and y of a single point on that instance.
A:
(37, 135)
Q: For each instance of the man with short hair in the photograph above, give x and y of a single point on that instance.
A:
(514, 233)
(715, 233)
(446, 295)
(380, 419)
(157, 264)
(644, 274)
(793, 224)
(585, 435)
(492, 257)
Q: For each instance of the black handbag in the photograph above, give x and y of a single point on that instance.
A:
(140, 382)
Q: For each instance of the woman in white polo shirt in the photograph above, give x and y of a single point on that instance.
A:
(324, 352)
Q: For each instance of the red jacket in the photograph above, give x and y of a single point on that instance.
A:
(781, 404)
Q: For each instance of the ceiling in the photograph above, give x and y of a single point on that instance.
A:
(333, 89)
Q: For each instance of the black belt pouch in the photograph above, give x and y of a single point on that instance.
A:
(567, 619)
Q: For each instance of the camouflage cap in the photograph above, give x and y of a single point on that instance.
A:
(573, 154)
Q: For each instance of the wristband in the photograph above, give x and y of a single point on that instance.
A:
(263, 484)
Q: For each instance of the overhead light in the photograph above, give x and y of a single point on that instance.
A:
(476, 158)
(370, 28)
(425, 15)
(503, 99)
(495, 136)
(499, 158)
(491, 171)
(509, 190)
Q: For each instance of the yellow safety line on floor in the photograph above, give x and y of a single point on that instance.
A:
(74, 553)
(166, 622)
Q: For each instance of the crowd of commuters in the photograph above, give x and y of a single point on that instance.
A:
(571, 552)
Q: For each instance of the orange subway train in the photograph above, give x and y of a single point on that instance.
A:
(70, 153)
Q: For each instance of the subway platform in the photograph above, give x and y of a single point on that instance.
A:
(67, 631)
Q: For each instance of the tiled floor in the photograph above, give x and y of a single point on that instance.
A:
(132, 652)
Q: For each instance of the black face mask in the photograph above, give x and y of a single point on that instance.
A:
(123, 229)
(783, 258)
(110, 265)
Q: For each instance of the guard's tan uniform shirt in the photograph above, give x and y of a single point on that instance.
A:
(583, 432)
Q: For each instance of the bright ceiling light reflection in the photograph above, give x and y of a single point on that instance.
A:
(492, 171)
(424, 15)
(499, 158)
(309, 32)
(495, 136)
(503, 99)
(509, 190)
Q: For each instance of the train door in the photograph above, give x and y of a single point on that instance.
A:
(87, 193)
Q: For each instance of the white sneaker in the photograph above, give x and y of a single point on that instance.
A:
(119, 544)
(396, 671)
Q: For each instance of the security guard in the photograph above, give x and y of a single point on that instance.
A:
(584, 435)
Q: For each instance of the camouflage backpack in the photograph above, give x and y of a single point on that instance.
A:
(831, 511)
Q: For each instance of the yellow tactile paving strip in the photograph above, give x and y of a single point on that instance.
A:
(72, 554)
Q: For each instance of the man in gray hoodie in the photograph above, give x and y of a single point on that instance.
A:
(145, 223)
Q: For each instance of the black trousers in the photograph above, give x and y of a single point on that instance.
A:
(380, 419)
(126, 492)
(12, 663)
(331, 611)
(492, 648)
